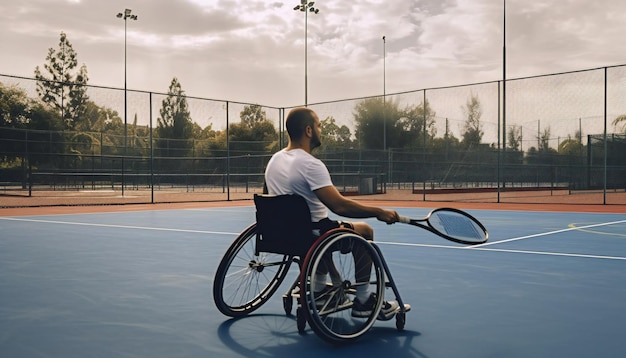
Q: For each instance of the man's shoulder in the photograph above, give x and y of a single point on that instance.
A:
(299, 157)
(298, 153)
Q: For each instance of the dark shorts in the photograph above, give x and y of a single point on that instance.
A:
(326, 224)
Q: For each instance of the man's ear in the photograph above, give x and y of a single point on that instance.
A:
(308, 131)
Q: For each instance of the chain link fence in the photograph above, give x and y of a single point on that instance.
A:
(553, 138)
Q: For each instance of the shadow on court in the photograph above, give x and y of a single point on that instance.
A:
(268, 335)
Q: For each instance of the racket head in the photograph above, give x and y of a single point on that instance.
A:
(458, 226)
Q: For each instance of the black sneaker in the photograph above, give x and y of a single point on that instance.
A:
(364, 310)
(331, 299)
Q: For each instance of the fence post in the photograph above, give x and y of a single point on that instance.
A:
(424, 154)
(227, 155)
(151, 154)
(605, 139)
(30, 178)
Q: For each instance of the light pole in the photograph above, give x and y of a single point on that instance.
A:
(125, 16)
(306, 7)
(384, 93)
(389, 157)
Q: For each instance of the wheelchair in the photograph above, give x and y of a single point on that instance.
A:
(257, 262)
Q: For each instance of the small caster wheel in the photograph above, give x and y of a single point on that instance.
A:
(301, 320)
(400, 321)
(287, 304)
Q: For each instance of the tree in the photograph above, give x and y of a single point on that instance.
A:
(257, 133)
(252, 114)
(175, 128)
(19, 114)
(14, 115)
(372, 117)
(473, 132)
(108, 126)
(46, 143)
(544, 141)
(543, 154)
(514, 138)
(619, 120)
(61, 88)
(403, 128)
(201, 139)
(411, 125)
(254, 134)
(14, 107)
(571, 147)
(335, 137)
(265, 132)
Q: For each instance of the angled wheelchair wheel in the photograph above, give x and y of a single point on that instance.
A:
(244, 280)
(331, 314)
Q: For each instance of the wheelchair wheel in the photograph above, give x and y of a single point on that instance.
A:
(244, 281)
(331, 317)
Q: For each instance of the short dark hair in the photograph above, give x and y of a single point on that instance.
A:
(297, 121)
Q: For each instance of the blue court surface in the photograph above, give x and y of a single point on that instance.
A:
(139, 284)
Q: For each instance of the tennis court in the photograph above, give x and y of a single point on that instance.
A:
(138, 283)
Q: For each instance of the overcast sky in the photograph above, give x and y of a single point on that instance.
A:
(253, 50)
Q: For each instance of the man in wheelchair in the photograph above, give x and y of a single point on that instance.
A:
(294, 170)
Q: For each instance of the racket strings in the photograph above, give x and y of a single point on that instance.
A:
(456, 225)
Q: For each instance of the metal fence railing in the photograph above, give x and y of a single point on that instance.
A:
(561, 134)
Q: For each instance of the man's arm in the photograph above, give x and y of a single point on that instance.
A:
(340, 205)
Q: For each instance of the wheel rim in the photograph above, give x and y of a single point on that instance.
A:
(336, 324)
(245, 280)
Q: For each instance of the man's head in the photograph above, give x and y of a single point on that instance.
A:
(303, 126)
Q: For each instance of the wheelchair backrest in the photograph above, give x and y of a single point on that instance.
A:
(283, 224)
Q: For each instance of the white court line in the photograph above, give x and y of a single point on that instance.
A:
(545, 234)
(509, 251)
(120, 226)
(475, 247)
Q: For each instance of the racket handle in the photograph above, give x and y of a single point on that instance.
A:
(404, 219)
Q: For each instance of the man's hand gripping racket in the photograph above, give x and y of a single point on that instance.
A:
(451, 224)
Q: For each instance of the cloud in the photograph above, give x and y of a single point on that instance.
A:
(253, 50)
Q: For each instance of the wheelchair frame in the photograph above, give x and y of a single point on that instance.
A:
(257, 262)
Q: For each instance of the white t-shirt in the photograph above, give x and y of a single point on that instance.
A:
(298, 172)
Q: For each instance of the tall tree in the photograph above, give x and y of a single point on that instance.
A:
(374, 120)
(411, 125)
(252, 114)
(254, 134)
(381, 122)
(62, 88)
(335, 137)
(514, 138)
(175, 128)
(473, 132)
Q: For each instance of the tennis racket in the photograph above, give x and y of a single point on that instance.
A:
(451, 224)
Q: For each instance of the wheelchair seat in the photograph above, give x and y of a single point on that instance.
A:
(283, 224)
